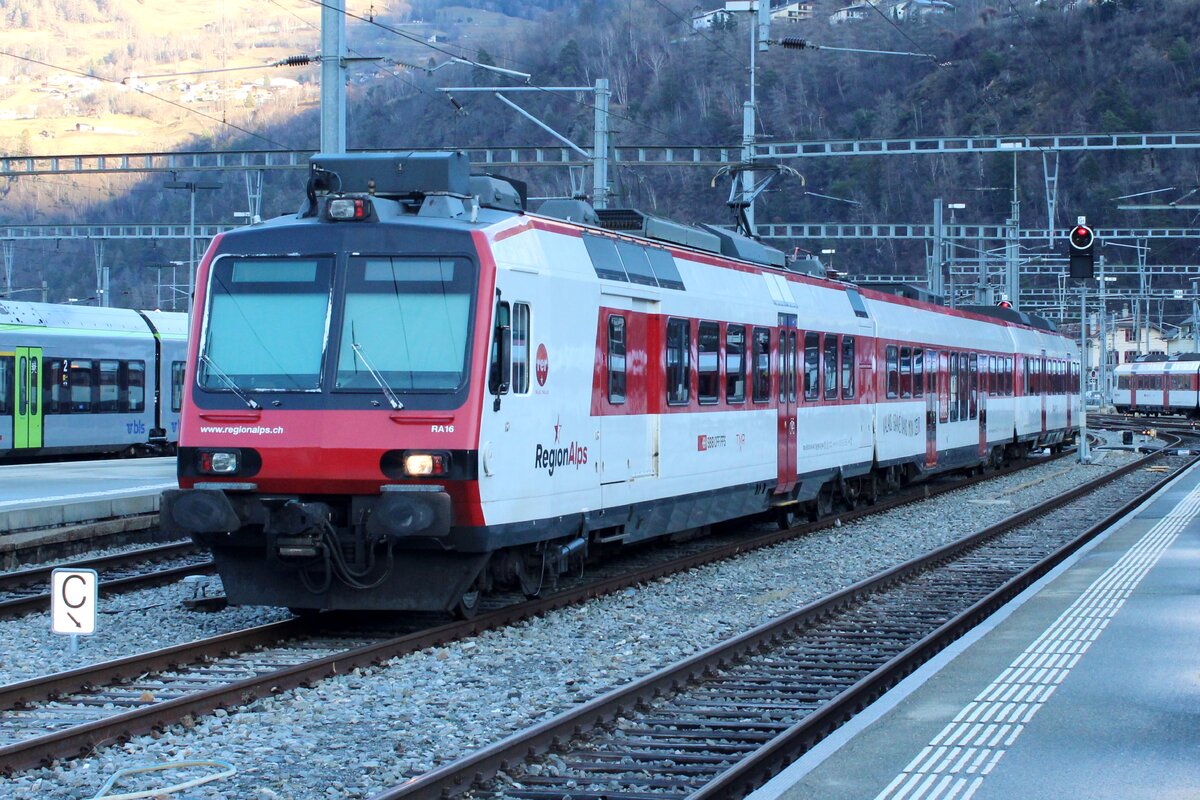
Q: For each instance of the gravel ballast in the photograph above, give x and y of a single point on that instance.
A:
(357, 734)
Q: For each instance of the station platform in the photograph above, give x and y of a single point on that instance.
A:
(53, 495)
(1087, 685)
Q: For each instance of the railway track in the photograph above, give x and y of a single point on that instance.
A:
(722, 722)
(73, 712)
(26, 591)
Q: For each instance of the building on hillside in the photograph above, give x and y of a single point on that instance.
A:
(916, 9)
(851, 13)
(794, 12)
(707, 20)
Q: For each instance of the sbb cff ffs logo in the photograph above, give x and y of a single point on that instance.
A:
(1083, 240)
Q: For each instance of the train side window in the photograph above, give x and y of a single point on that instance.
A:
(35, 380)
(794, 368)
(22, 399)
(501, 349)
(953, 387)
(708, 390)
(848, 367)
(832, 373)
(616, 359)
(109, 386)
(679, 366)
(918, 362)
(637, 265)
(1008, 375)
(520, 348)
(735, 364)
(812, 365)
(665, 269)
(931, 373)
(177, 373)
(993, 377)
(762, 365)
(79, 386)
(7, 396)
(134, 386)
(906, 372)
(605, 260)
(893, 371)
(982, 371)
(973, 396)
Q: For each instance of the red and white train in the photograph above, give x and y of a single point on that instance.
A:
(1159, 385)
(414, 391)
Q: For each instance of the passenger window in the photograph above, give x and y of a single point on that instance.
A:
(177, 373)
(616, 359)
(110, 387)
(953, 387)
(931, 374)
(848, 367)
(762, 365)
(708, 347)
(34, 382)
(735, 364)
(6, 385)
(637, 265)
(918, 358)
(906, 372)
(812, 365)
(605, 260)
(520, 348)
(831, 366)
(134, 386)
(893, 371)
(679, 366)
(80, 383)
(22, 400)
(973, 367)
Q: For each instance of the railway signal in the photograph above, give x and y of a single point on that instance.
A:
(1083, 240)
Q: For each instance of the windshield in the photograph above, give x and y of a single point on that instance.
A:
(409, 317)
(267, 324)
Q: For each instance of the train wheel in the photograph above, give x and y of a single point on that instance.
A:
(869, 489)
(851, 494)
(786, 517)
(468, 605)
(529, 576)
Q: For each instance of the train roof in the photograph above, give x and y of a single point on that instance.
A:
(82, 318)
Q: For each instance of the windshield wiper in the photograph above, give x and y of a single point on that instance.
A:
(228, 381)
(387, 390)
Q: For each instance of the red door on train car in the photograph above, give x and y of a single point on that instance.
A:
(787, 403)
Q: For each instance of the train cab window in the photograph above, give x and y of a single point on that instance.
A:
(405, 325)
(893, 371)
(812, 365)
(616, 359)
(109, 385)
(848, 367)
(679, 363)
(735, 364)
(177, 373)
(133, 386)
(7, 395)
(520, 348)
(762, 366)
(708, 387)
(604, 257)
(266, 324)
(832, 373)
(906, 372)
(918, 362)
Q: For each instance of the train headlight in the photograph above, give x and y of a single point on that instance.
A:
(349, 208)
(422, 464)
(219, 462)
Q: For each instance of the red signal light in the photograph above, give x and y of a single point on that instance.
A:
(1082, 237)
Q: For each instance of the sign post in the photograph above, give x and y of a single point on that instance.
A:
(73, 598)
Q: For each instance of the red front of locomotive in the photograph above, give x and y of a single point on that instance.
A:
(333, 396)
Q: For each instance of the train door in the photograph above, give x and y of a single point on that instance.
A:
(787, 403)
(931, 407)
(1041, 388)
(985, 383)
(27, 413)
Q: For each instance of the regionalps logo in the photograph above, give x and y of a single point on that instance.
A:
(551, 457)
(541, 366)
